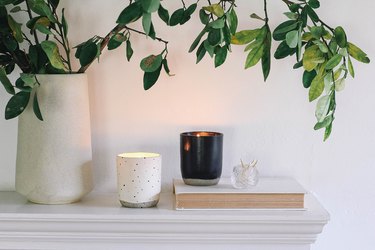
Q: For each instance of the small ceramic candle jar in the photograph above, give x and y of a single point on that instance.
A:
(139, 179)
(201, 157)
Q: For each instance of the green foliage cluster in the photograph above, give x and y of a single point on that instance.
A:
(324, 53)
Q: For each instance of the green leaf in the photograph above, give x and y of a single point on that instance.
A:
(201, 51)
(266, 57)
(210, 49)
(254, 56)
(298, 65)
(233, 21)
(36, 108)
(15, 9)
(317, 31)
(244, 36)
(325, 123)
(314, 4)
(334, 61)
(54, 3)
(129, 50)
(114, 42)
(53, 54)
(214, 37)
(220, 56)
(146, 22)
(64, 23)
(89, 51)
(350, 67)
(255, 16)
(303, 16)
(340, 84)
(10, 43)
(150, 78)
(21, 86)
(163, 14)
(333, 45)
(130, 14)
(316, 88)
(151, 63)
(282, 29)
(327, 132)
(299, 43)
(29, 79)
(40, 20)
(217, 24)
(150, 6)
(312, 57)
(190, 10)
(357, 53)
(294, 7)
(205, 18)
(166, 67)
(5, 81)
(6, 2)
(322, 107)
(38, 58)
(42, 29)
(340, 37)
(283, 50)
(197, 40)
(16, 105)
(254, 44)
(16, 29)
(312, 14)
(307, 36)
(227, 35)
(291, 15)
(41, 7)
(292, 38)
(152, 33)
(323, 48)
(176, 17)
(343, 52)
(307, 78)
(215, 9)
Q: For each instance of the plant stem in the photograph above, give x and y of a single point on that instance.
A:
(116, 30)
(26, 38)
(265, 11)
(324, 24)
(142, 33)
(31, 17)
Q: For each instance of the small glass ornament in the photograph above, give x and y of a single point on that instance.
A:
(245, 175)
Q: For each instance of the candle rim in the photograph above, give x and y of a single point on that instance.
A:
(138, 155)
(201, 134)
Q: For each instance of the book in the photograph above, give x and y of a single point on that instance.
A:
(269, 193)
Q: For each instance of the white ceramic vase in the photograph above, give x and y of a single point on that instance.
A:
(54, 155)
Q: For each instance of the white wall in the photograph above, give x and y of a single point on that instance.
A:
(269, 121)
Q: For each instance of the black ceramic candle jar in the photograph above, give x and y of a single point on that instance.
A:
(201, 157)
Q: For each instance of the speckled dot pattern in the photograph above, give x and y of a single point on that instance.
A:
(139, 179)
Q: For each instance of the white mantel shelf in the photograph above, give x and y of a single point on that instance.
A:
(99, 222)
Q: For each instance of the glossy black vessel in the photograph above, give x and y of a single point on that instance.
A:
(201, 157)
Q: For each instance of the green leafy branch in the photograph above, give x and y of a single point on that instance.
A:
(326, 58)
(322, 51)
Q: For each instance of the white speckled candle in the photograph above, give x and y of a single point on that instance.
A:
(139, 179)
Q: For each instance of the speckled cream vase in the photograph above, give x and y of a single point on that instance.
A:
(54, 155)
(139, 179)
